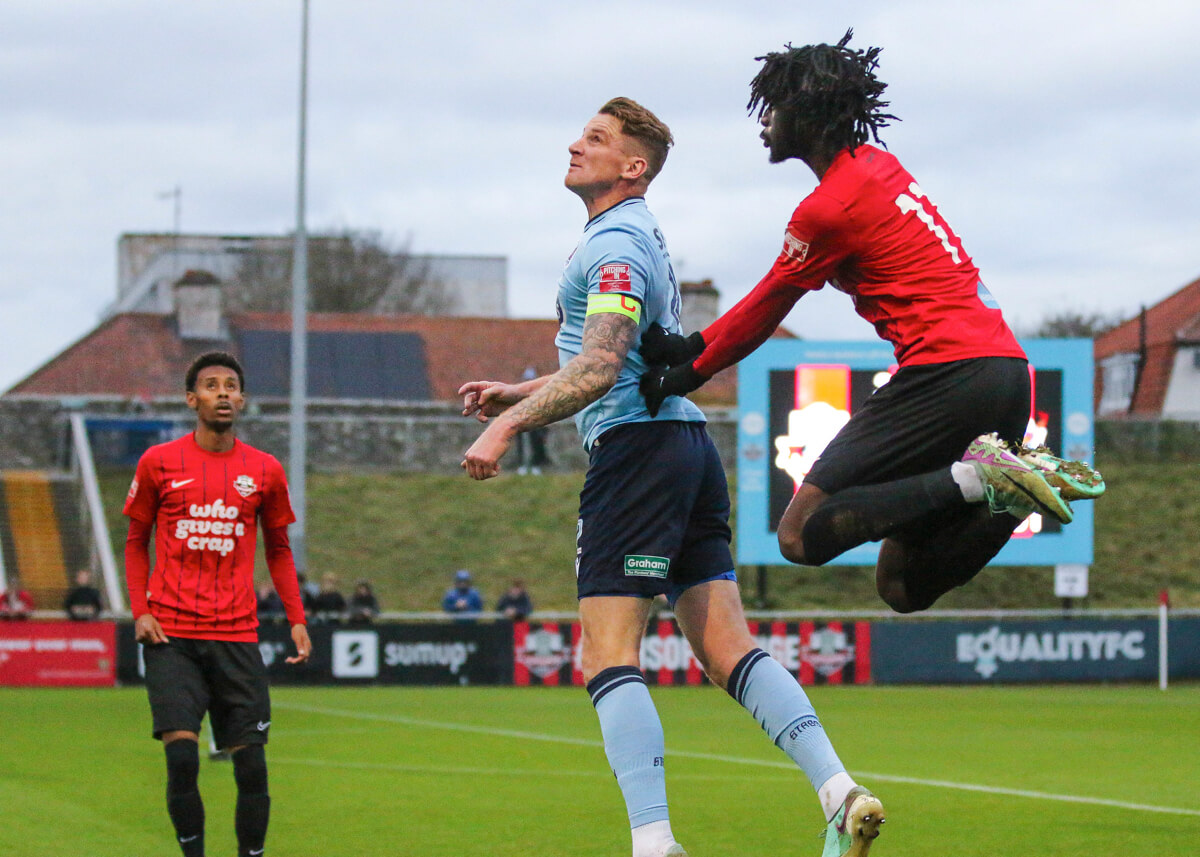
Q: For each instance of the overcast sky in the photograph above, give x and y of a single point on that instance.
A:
(1060, 139)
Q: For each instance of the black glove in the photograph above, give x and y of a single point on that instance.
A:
(658, 346)
(660, 382)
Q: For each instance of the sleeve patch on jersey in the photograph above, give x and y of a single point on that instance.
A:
(794, 248)
(133, 486)
(615, 278)
(620, 304)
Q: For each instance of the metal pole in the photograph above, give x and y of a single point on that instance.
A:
(91, 492)
(177, 222)
(298, 436)
(762, 587)
(1164, 605)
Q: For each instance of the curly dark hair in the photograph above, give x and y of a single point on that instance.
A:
(831, 90)
(213, 358)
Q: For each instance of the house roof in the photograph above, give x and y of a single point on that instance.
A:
(142, 354)
(1189, 334)
(1173, 321)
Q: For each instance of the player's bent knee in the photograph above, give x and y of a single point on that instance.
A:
(898, 600)
(183, 766)
(889, 583)
(791, 545)
(250, 769)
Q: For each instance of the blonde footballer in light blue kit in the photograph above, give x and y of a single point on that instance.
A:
(654, 510)
(620, 265)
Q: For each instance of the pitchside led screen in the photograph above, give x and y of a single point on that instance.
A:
(794, 396)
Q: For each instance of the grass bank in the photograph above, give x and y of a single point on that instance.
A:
(408, 533)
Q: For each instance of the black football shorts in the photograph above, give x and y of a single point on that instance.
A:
(923, 419)
(186, 678)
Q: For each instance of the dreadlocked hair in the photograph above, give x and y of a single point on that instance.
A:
(831, 89)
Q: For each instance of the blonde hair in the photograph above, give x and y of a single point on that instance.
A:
(648, 130)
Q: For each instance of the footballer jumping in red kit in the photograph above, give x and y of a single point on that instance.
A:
(897, 471)
(869, 231)
(203, 497)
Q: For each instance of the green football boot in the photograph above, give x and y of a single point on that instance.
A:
(1012, 485)
(1075, 480)
(855, 826)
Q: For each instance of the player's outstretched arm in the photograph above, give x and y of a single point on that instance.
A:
(672, 349)
(747, 325)
(607, 339)
(484, 399)
(659, 382)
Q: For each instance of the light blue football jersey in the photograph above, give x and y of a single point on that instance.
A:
(622, 254)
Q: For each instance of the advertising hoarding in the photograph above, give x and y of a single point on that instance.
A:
(419, 653)
(47, 654)
(793, 397)
(814, 652)
(1004, 651)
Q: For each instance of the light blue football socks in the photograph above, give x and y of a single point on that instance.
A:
(769, 692)
(633, 741)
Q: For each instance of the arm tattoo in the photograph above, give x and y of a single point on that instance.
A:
(607, 339)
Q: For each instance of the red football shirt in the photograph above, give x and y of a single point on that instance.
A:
(205, 508)
(868, 230)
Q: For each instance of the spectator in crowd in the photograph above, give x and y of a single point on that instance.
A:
(330, 604)
(83, 600)
(15, 602)
(463, 599)
(364, 606)
(308, 590)
(270, 605)
(515, 603)
(531, 445)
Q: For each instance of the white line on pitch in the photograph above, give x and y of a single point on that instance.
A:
(598, 773)
(1000, 790)
(737, 760)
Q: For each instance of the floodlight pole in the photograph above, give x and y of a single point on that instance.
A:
(177, 194)
(298, 435)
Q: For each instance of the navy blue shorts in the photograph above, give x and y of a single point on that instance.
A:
(186, 678)
(653, 513)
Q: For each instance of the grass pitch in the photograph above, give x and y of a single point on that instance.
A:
(972, 772)
(409, 532)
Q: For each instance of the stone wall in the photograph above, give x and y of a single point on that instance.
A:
(35, 433)
(1142, 439)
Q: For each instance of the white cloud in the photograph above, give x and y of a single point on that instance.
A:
(1057, 137)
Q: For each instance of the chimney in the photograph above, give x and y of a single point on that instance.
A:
(198, 306)
(699, 305)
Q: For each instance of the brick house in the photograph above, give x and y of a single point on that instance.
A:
(360, 356)
(1149, 366)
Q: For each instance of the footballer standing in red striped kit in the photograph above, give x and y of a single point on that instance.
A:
(203, 497)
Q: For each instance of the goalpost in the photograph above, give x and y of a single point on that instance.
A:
(82, 449)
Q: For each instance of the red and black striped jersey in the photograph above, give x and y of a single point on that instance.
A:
(869, 230)
(205, 508)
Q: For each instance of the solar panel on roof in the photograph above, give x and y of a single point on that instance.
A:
(341, 365)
